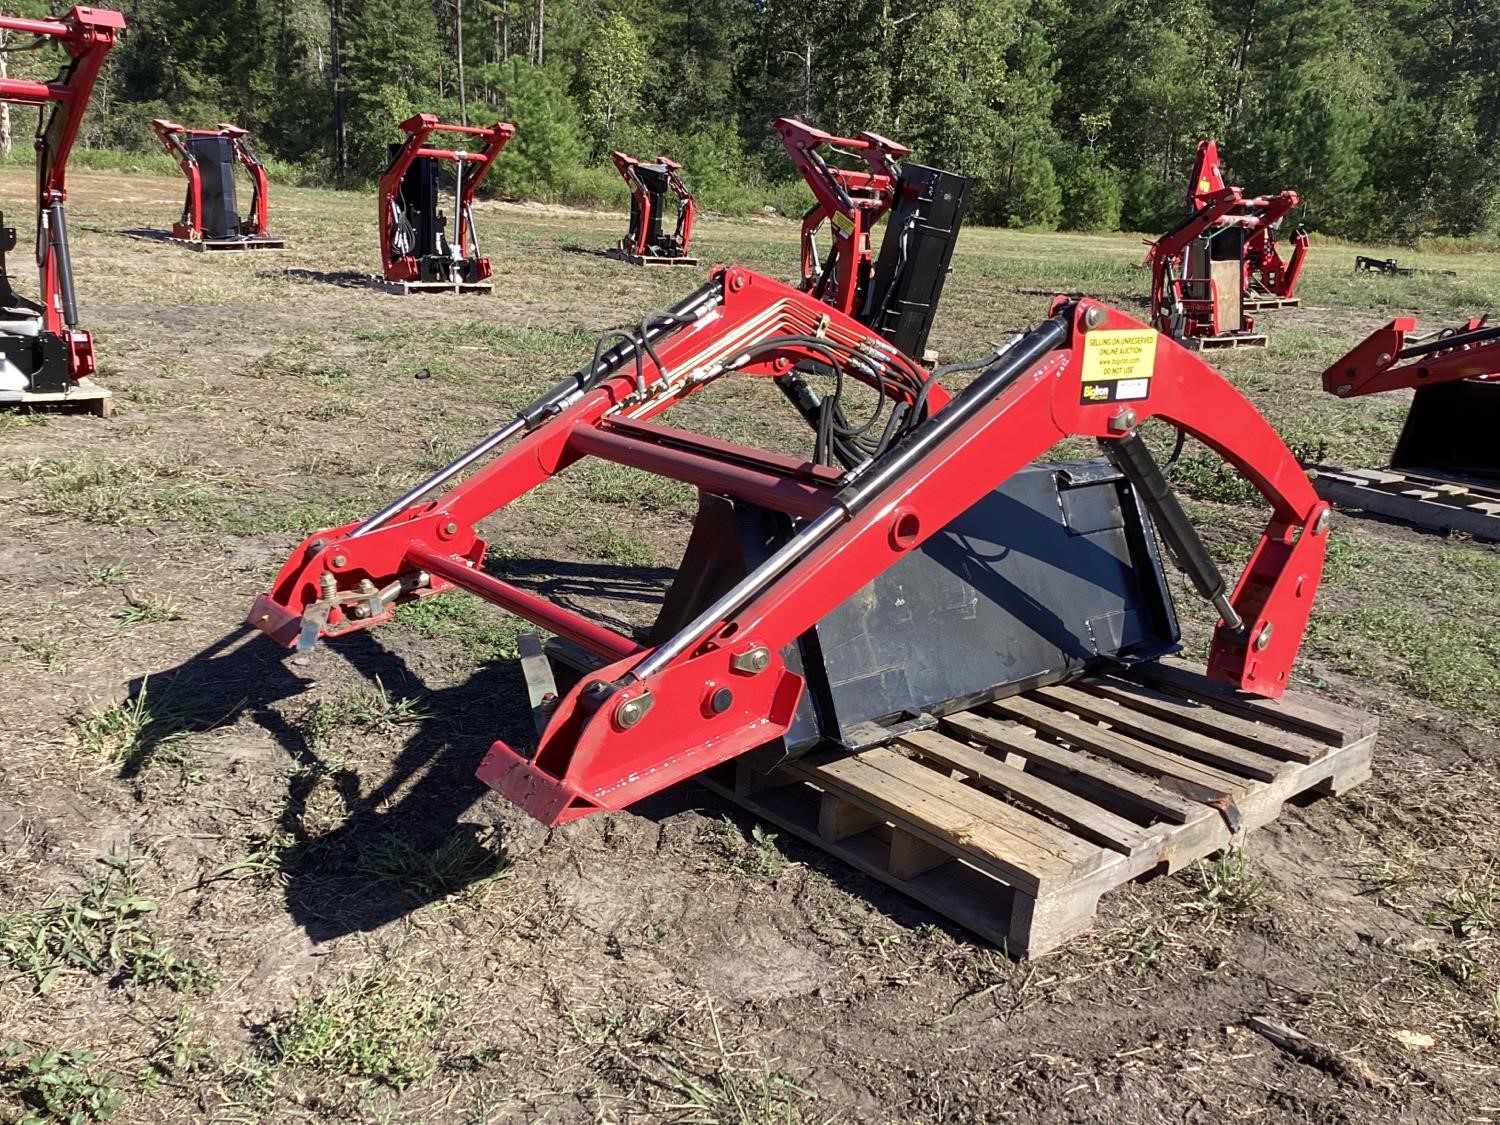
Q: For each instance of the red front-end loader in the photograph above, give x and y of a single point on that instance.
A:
(416, 250)
(210, 213)
(923, 563)
(1270, 280)
(647, 242)
(45, 356)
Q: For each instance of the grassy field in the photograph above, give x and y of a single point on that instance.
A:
(239, 886)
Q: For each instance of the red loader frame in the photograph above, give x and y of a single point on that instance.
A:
(851, 202)
(1451, 423)
(60, 355)
(176, 139)
(428, 255)
(646, 241)
(1270, 279)
(1470, 352)
(718, 686)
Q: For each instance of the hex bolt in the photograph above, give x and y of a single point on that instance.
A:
(1263, 638)
(448, 530)
(339, 560)
(1094, 317)
(755, 661)
(633, 710)
(362, 611)
(1122, 421)
(328, 585)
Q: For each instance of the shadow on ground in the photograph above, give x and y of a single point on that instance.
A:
(350, 879)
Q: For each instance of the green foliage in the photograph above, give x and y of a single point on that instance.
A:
(1381, 115)
(1092, 199)
(102, 933)
(391, 57)
(56, 1086)
(546, 144)
(377, 1027)
(613, 75)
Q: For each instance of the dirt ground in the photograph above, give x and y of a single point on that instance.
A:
(241, 886)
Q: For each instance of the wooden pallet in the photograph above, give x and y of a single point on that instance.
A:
(405, 287)
(1261, 304)
(1231, 340)
(85, 394)
(1423, 500)
(1014, 817)
(649, 260)
(220, 245)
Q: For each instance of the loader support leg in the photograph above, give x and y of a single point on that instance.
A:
(1133, 457)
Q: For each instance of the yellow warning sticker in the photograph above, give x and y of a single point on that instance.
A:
(843, 224)
(1117, 364)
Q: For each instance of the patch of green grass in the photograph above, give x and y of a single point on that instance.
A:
(459, 863)
(107, 574)
(136, 729)
(102, 933)
(1453, 660)
(616, 546)
(487, 633)
(61, 1086)
(360, 709)
(377, 1027)
(149, 611)
(114, 491)
(757, 856)
(1227, 888)
(602, 482)
(172, 1057)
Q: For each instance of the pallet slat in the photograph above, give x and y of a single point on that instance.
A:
(1322, 719)
(1019, 848)
(1079, 814)
(1171, 737)
(1143, 792)
(1192, 779)
(1200, 717)
(1415, 499)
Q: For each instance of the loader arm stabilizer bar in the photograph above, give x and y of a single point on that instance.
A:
(718, 687)
(1376, 364)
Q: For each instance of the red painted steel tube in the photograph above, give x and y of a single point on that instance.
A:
(761, 486)
(597, 639)
(24, 90)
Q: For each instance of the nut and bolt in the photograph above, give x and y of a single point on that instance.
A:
(339, 560)
(328, 585)
(1122, 421)
(755, 661)
(633, 710)
(448, 530)
(362, 610)
(1263, 638)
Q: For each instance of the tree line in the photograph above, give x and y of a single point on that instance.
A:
(1383, 115)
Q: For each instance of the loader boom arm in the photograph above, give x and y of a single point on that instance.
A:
(1391, 358)
(718, 686)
